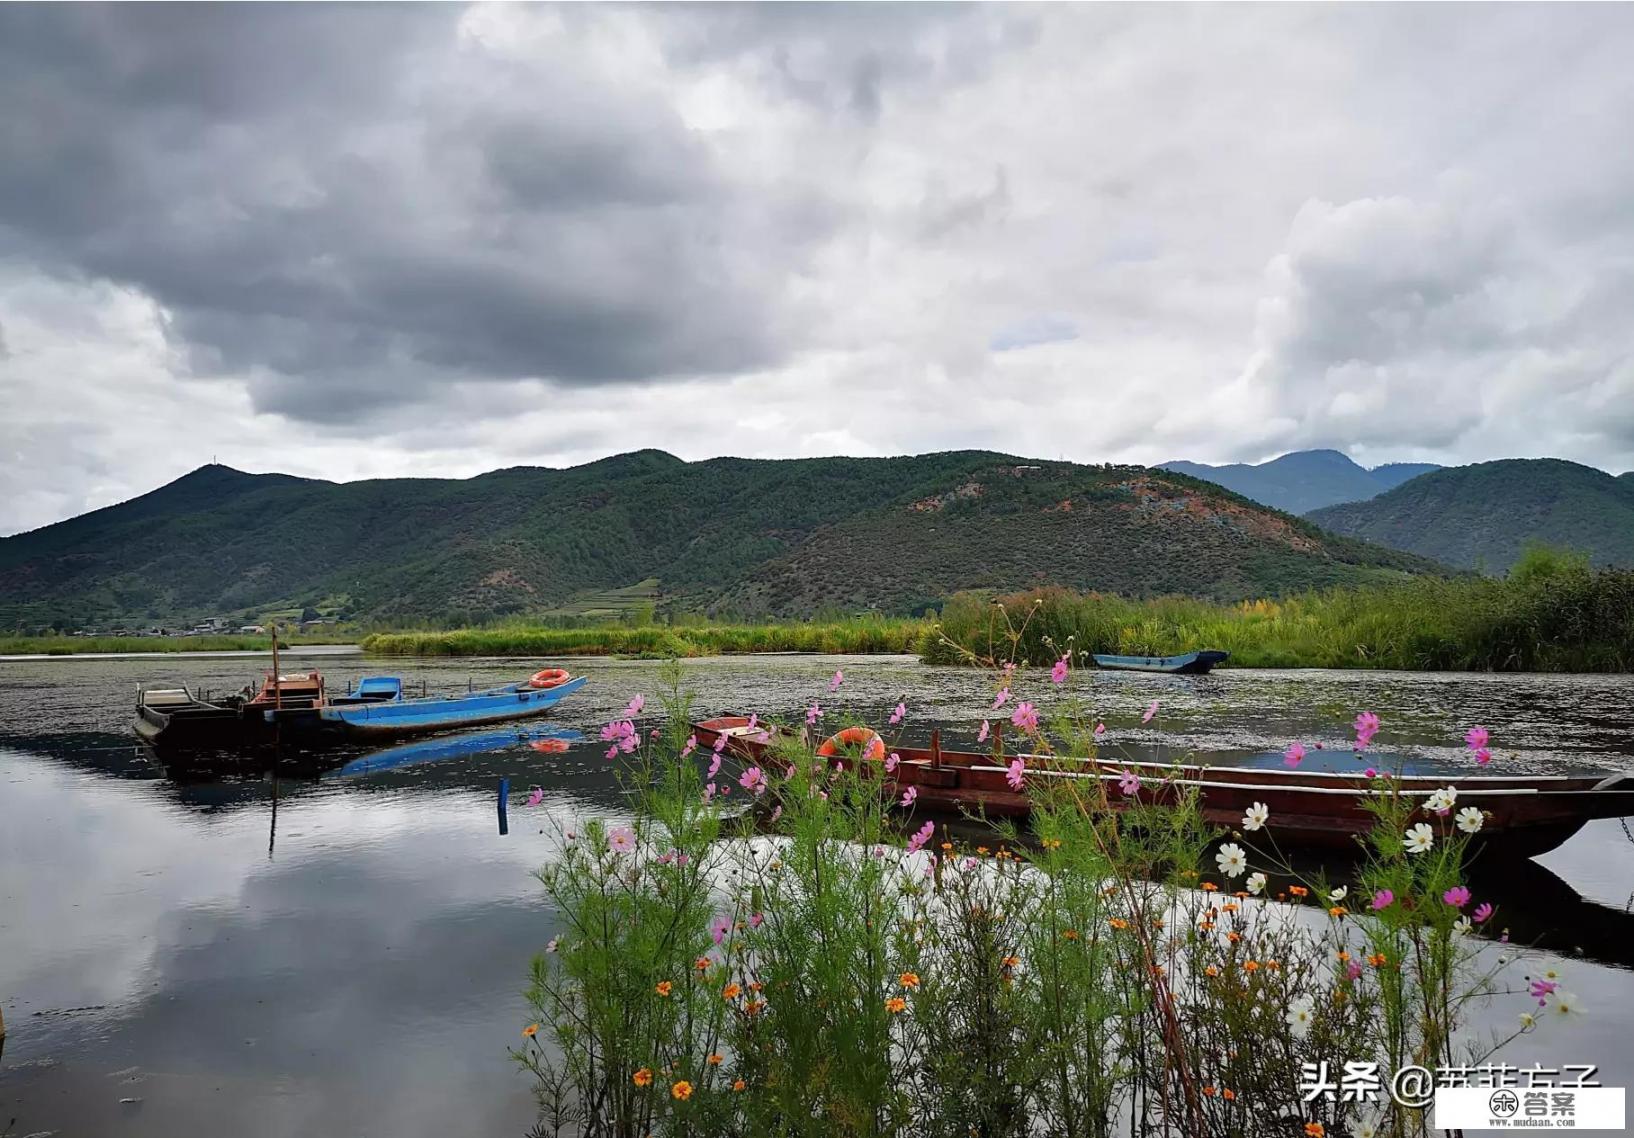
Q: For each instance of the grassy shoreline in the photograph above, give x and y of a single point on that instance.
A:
(92, 645)
(659, 641)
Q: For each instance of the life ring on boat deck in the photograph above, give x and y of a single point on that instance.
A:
(549, 678)
(873, 747)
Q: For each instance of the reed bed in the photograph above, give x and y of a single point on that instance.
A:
(77, 645)
(659, 641)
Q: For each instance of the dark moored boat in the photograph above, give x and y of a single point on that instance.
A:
(175, 719)
(1524, 814)
(1186, 664)
(379, 711)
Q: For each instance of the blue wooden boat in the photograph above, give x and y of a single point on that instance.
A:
(1186, 664)
(378, 710)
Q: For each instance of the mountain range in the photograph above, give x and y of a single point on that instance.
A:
(1305, 480)
(726, 536)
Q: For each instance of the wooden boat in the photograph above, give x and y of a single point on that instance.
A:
(378, 710)
(1186, 664)
(174, 719)
(1524, 814)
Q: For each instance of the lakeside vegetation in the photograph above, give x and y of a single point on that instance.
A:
(856, 636)
(828, 963)
(82, 645)
(1552, 613)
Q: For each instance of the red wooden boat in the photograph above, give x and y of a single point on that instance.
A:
(1524, 814)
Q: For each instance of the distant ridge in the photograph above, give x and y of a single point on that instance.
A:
(729, 536)
(1482, 516)
(1305, 480)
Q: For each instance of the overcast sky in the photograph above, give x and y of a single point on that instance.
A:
(352, 242)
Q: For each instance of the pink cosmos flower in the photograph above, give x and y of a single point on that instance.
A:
(655, 733)
(709, 793)
(635, 707)
(537, 796)
(968, 863)
(1294, 755)
(753, 780)
(761, 737)
(1009, 669)
(621, 839)
(813, 714)
(981, 736)
(756, 920)
(612, 752)
(921, 836)
(720, 743)
(1151, 710)
(1058, 674)
(1016, 776)
(891, 761)
(1367, 726)
(754, 720)
(1353, 970)
(1100, 731)
(839, 678)
(719, 927)
(1001, 699)
(1543, 988)
(690, 746)
(1483, 756)
(1483, 912)
(898, 713)
(1457, 896)
(1371, 772)
(1477, 738)
(1383, 899)
(1025, 717)
(909, 795)
(777, 812)
(1129, 782)
(714, 765)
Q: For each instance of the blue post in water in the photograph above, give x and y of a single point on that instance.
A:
(504, 796)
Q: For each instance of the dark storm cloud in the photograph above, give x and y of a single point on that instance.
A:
(357, 201)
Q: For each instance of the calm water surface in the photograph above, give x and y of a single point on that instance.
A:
(181, 957)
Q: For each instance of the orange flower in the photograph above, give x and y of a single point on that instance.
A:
(1211, 971)
(1229, 907)
(981, 850)
(1118, 923)
(1343, 956)
(1071, 934)
(1337, 911)
(716, 1059)
(947, 845)
(1011, 961)
(1251, 966)
(1377, 960)
(753, 1007)
(1241, 894)
(1052, 843)
(738, 1085)
(1206, 926)
(909, 979)
(681, 1091)
(731, 992)
(663, 987)
(1298, 890)
(756, 986)
(701, 964)
(531, 1030)
(643, 1077)
(1315, 1130)
(896, 1005)
(1234, 937)
(1229, 1095)
(1210, 1091)
(1273, 965)
(1210, 887)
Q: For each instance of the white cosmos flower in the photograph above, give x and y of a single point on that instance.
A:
(1528, 1021)
(1566, 1005)
(1462, 926)
(1365, 1126)
(1419, 838)
(550, 945)
(1300, 1017)
(1256, 816)
(1256, 883)
(1469, 819)
(1231, 860)
(1338, 894)
(1552, 975)
(1442, 799)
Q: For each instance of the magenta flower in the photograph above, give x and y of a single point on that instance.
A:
(1483, 757)
(753, 780)
(1371, 772)
(1100, 731)
(813, 714)
(612, 752)
(655, 733)
(1058, 674)
(754, 720)
(921, 836)
(720, 743)
(636, 704)
(756, 920)
(839, 678)
(1001, 699)
(891, 761)
(1016, 776)
(1151, 710)
(621, 839)
(537, 796)
(909, 795)
(1477, 738)
(714, 765)
(981, 736)
(1457, 896)
(1543, 988)
(1294, 755)
(1383, 899)
(691, 745)
(719, 927)
(1367, 726)
(1353, 970)
(1129, 782)
(1025, 717)
(1483, 912)
(777, 812)
(897, 715)
(709, 793)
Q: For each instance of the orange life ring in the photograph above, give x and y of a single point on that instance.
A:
(873, 747)
(549, 678)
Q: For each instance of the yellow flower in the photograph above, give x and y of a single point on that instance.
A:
(895, 1005)
(910, 980)
(643, 1077)
(681, 1091)
(663, 987)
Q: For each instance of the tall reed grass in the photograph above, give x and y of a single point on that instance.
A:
(658, 641)
(78, 645)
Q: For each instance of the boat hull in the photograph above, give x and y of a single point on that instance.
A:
(1186, 664)
(1524, 815)
(401, 719)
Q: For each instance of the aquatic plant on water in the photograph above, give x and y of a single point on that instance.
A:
(779, 950)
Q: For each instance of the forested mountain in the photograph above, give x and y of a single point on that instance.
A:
(1305, 480)
(734, 536)
(1482, 516)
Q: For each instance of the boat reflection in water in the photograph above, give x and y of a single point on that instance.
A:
(545, 740)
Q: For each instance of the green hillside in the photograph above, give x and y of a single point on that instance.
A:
(725, 536)
(1483, 516)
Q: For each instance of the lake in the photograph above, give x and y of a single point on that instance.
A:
(347, 956)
